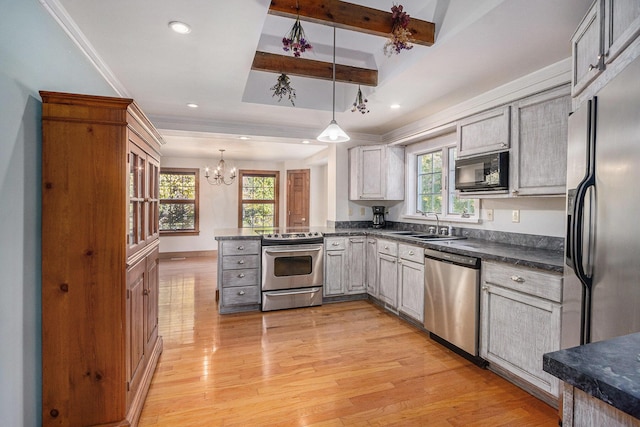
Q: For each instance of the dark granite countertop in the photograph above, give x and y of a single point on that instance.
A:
(544, 259)
(525, 256)
(607, 370)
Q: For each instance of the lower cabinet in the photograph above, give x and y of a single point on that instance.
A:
(411, 281)
(388, 273)
(371, 266)
(239, 275)
(520, 321)
(345, 265)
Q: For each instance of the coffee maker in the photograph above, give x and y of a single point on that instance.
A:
(378, 216)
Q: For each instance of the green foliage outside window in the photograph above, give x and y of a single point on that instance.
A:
(430, 182)
(177, 201)
(258, 201)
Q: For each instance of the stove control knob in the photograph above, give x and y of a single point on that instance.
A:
(316, 233)
(275, 235)
(268, 236)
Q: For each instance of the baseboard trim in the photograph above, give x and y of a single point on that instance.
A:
(189, 254)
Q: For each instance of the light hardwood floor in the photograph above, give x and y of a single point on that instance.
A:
(339, 364)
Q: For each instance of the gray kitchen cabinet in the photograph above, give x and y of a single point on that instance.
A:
(519, 322)
(606, 31)
(376, 172)
(484, 132)
(539, 143)
(356, 262)
(335, 266)
(582, 409)
(388, 273)
(239, 275)
(371, 266)
(587, 48)
(411, 281)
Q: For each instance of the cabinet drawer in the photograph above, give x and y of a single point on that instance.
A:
(241, 295)
(526, 280)
(335, 243)
(411, 253)
(239, 247)
(244, 277)
(387, 247)
(236, 262)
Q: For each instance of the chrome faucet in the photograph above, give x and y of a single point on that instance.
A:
(424, 214)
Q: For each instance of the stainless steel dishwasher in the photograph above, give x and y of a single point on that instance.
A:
(452, 298)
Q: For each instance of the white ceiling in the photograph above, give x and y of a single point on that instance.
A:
(480, 44)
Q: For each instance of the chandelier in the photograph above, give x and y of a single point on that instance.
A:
(218, 176)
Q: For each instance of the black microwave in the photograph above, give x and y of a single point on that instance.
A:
(487, 172)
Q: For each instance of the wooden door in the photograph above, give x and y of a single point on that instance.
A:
(298, 198)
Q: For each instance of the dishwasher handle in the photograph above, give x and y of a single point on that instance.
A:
(456, 259)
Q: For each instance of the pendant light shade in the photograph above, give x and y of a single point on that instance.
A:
(333, 132)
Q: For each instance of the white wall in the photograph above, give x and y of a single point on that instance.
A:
(35, 54)
(219, 203)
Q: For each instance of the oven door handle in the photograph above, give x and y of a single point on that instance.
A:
(301, 291)
(287, 251)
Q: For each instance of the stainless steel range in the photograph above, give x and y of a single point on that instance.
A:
(292, 268)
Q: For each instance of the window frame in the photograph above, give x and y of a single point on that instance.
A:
(276, 201)
(443, 144)
(196, 202)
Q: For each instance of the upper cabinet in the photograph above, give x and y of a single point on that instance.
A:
(484, 132)
(376, 172)
(609, 27)
(539, 144)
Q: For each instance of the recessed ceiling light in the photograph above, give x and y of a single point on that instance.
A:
(395, 106)
(192, 105)
(244, 138)
(306, 141)
(179, 27)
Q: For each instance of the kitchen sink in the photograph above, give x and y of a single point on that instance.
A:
(435, 237)
(403, 232)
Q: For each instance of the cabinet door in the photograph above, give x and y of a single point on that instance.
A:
(516, 330)
(151, 300)
(371, 174)
(587, 48)
(137, 182)
(622, 26)
(135, 334)
(372, 267)
(335, 272)
(388, 279)
(484, 132)
(539, 147)
(356, 261)
(152, 199)
(411, 289)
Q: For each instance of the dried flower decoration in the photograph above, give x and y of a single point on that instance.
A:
(296, 41)
(283, 88)
(400, 36)
(360, 103)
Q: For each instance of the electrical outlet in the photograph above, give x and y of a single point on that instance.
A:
(350, 212)
(515, 215)
(489, 213)
(362, 211)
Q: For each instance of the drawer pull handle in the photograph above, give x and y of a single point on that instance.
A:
(335, 244)
(411, 253)
(241, 261)
(241, 275)
(485, 288)
(241, 293)
(372, 242)
(386, 247)
(517, 279)
(241, 248)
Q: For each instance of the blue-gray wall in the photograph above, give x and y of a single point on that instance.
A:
(35, 54)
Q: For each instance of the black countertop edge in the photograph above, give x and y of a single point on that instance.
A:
(607, 370)
(524, 256)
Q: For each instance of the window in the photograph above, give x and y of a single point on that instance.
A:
(258, 195)
(179, 201)
(435, 185)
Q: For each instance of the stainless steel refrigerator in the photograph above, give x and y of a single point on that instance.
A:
(602, 269)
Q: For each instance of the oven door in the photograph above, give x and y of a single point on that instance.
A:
(292, 266)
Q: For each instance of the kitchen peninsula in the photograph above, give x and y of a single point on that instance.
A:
(601, 382)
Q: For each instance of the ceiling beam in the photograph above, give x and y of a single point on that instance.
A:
(293, 66)
(352, 17)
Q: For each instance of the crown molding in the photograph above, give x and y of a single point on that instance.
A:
(62, 17)
(554, 75)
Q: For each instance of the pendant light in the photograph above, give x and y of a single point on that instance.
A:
(333, 132)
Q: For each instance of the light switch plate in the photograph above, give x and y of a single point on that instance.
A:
(362, 211)
(515, 215)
